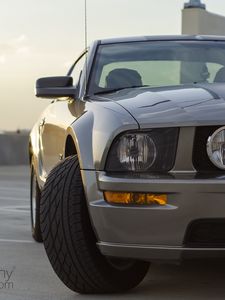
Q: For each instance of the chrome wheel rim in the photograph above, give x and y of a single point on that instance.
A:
(33, 201)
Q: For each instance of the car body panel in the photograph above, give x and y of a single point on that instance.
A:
(162, 38)
(154, 227)
(93, 122)
(57, 118)
(82, 121)
(50, 135)
(174, 106)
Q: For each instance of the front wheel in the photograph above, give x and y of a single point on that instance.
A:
(70, 241)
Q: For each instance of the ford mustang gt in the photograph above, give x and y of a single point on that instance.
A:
(128, 160)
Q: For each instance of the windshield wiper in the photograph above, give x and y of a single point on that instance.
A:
(109, 91)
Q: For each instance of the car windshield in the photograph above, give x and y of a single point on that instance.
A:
(156, 64)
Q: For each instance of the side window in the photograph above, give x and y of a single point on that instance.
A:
(77, 70)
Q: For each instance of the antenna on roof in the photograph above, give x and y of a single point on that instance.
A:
(85, 40)
(85, 23)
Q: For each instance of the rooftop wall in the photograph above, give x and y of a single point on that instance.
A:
(14, 148)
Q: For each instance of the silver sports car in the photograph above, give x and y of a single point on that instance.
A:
(128, 161)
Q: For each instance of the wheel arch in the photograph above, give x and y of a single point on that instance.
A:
(30, 151)
(70, 147)
(79, 141)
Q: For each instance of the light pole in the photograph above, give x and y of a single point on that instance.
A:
(194, 4)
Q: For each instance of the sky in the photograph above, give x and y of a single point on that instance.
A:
(43, 37)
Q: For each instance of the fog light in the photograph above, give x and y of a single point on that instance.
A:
(135, 198)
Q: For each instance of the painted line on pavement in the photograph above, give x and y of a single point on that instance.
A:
(17, 241)
(18, 189)
(16, 209)
(2, 198)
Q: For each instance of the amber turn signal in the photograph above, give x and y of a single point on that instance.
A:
(135, 198)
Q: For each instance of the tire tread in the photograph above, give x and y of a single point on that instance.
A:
(68, 238)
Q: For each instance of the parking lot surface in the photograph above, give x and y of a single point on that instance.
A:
(25, 272)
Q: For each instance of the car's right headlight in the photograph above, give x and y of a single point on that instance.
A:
(147, 151)
(216, 148)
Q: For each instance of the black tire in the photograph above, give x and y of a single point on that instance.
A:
(35, 196)
(70, 242)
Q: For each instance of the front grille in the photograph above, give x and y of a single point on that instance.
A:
(201, 160)
(206, 233)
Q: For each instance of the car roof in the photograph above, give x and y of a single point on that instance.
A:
(162, 38)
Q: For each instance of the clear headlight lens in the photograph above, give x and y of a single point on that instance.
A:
(149, 151)
(216, 148)
(136, 152)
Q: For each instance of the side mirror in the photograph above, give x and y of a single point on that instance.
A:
(55, 87)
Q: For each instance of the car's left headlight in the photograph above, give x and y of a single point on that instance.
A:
(152, 151)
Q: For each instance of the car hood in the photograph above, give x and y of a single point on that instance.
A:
(190, 105)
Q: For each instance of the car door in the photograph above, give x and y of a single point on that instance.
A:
(55, 121)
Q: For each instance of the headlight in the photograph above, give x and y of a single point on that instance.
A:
(136, 152)
(216, 148)
(144, 151)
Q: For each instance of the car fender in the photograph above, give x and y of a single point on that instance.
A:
(95, 130)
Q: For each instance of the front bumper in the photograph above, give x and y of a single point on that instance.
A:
(159, 253)
(153, 232)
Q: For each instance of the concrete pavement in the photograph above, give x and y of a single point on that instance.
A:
(25, 272)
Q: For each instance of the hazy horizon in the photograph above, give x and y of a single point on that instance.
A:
(41, 38)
